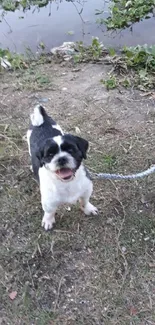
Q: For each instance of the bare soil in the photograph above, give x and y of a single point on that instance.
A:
(88, 270)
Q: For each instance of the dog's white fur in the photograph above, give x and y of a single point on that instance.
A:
(36, 117)
(58, 127)
(28, 140)
(55, 192)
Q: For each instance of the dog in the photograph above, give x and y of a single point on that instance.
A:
(57, 163)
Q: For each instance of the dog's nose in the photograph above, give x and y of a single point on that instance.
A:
(62, 161)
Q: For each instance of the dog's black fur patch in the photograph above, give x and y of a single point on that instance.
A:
(38, 138)
(43, 147)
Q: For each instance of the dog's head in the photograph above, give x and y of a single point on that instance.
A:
(63, 155)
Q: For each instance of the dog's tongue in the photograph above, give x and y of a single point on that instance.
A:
(65, 173)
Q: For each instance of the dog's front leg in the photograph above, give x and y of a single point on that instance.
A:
(85, 205)
(49, 215)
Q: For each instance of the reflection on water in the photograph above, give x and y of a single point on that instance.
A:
(66, 21)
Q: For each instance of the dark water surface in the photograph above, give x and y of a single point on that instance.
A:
(38, 26)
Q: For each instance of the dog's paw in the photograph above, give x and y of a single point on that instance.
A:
(47, 223)
(90, 209)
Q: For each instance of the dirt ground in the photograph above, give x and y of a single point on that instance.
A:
(87, 270)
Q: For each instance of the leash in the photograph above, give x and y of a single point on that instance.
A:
(146, 172)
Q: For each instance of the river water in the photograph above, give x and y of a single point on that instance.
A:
(61, 22)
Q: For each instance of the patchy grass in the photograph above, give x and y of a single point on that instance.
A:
(34, 80)
(134, 66)
(25, 68)
(125, 13)
(88, 270)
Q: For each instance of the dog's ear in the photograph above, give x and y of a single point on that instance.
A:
(82, 145)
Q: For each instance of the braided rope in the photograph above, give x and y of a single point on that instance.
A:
(146, 172)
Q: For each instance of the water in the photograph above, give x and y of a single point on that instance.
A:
(37, 26)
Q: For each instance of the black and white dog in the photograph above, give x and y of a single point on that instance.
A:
(57, 164)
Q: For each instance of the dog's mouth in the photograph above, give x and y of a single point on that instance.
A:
(65, 174)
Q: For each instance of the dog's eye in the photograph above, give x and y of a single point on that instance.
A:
(51, 155)
(71, 150)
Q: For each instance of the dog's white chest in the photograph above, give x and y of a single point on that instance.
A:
(69, 193)
(54, 190)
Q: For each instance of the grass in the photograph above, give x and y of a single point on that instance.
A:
(34, 80)
(88, 270)
(38, 264)
(125, 13)
(25, 69)
(135, 66)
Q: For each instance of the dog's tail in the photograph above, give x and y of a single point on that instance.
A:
(38, 116)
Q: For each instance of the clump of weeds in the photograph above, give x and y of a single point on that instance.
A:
(110, 83)
(124, 13)
(9, 5)
(134, 66)
(94, 52)
(12, 61)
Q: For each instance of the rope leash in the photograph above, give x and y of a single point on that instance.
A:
(146, 172)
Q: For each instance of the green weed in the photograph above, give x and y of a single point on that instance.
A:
(136, 65)
(87, 53)
(125, 13)
(141, 59)
(109, 161)
(112, 51)
(17, 61)
(110, 83)
(126, 83)
(9, 5)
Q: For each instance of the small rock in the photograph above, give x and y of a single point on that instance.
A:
(76, 69)
(6, 64)
(146, 238)
(67, 58)
(77, 130)
(109, 221)
(66, 50)
(123, 249)
(43, 100)
(13, 295)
